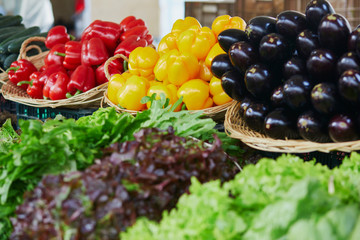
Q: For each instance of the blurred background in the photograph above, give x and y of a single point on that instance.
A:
(158, 14)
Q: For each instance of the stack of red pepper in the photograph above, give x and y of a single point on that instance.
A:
(72, 67)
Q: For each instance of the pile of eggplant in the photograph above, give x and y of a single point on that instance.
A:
(296, 75)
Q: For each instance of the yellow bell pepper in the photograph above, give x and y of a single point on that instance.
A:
(170, 91)
(205, 72)
(142, 61)
(167, 43)
(214, 51)
(217, 92)
(115, 83)
(181, 25)
(225, 22)
(176, 68)
(196, 40)
(196, 94)
(130, 95)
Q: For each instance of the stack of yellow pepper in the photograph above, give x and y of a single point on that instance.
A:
(179, 67)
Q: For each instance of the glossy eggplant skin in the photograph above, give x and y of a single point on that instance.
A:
(348, 61)
(244, 104)
(297, 92)
(279, 125)
(334, 31)
(342, 128)
(259, 80)
(321, 65)
(274, 49)
(242, 55)
(290, 23)
(306, 42)
(233, 84)
(315, 10)
(349, 86)
(255, 115)
(220, 65)
(230, 36)
(295, 66)
(354, 35)
(277, 97)
(313, 127)
(324, 98)
(258, 27)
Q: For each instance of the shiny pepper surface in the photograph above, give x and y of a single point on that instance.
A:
(142, 61)
(197, 41)
(196, 94)
(217, 92)
(170, 92)
(214, 51)
(204, 72)
(225, 22)
(181, 25)
(176, 68)
(115, 83)
(129, 96)
(167, 43)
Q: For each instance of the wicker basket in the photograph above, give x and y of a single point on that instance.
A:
(235, 127)
(89, 99)
(217, 113)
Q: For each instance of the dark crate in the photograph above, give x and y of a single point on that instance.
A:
(7, 105)
(28, 112)
(331, 159)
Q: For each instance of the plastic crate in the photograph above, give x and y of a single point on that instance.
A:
(6, 105)
(28, 112)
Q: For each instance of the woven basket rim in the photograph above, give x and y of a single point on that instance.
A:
(89, 99)
(213, 112)
(236, 128)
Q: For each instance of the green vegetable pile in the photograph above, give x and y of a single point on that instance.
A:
(284, 199)
(61, 146)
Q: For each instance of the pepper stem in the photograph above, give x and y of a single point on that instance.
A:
(72, 37)
(25, 82)
(125, 66)
(13, 68)
(68, 95)
(59, 54)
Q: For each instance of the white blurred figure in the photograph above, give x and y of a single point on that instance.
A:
(34, 12)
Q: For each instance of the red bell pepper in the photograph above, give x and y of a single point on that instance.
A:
(55, 87)
(56, 55)
(130, 22)
(114, 67)
(82, 80)
(57, 34)
(44, 76)
(108, 32)
(20, 70)
(93, 52)
(35, 88)
(129, 44)
(140, 31)
(72, 55)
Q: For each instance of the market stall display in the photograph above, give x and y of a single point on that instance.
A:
(296, 79)
(179, 67)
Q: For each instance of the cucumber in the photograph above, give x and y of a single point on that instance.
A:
(10, 31)
(15, 45)
(2, 59)
(7, 21)
(10, 59)
(24, 33)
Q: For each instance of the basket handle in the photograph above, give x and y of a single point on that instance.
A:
(106, 65)
(25, 48)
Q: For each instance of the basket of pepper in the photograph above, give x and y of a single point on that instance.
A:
(178, 68)
(71, 74)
